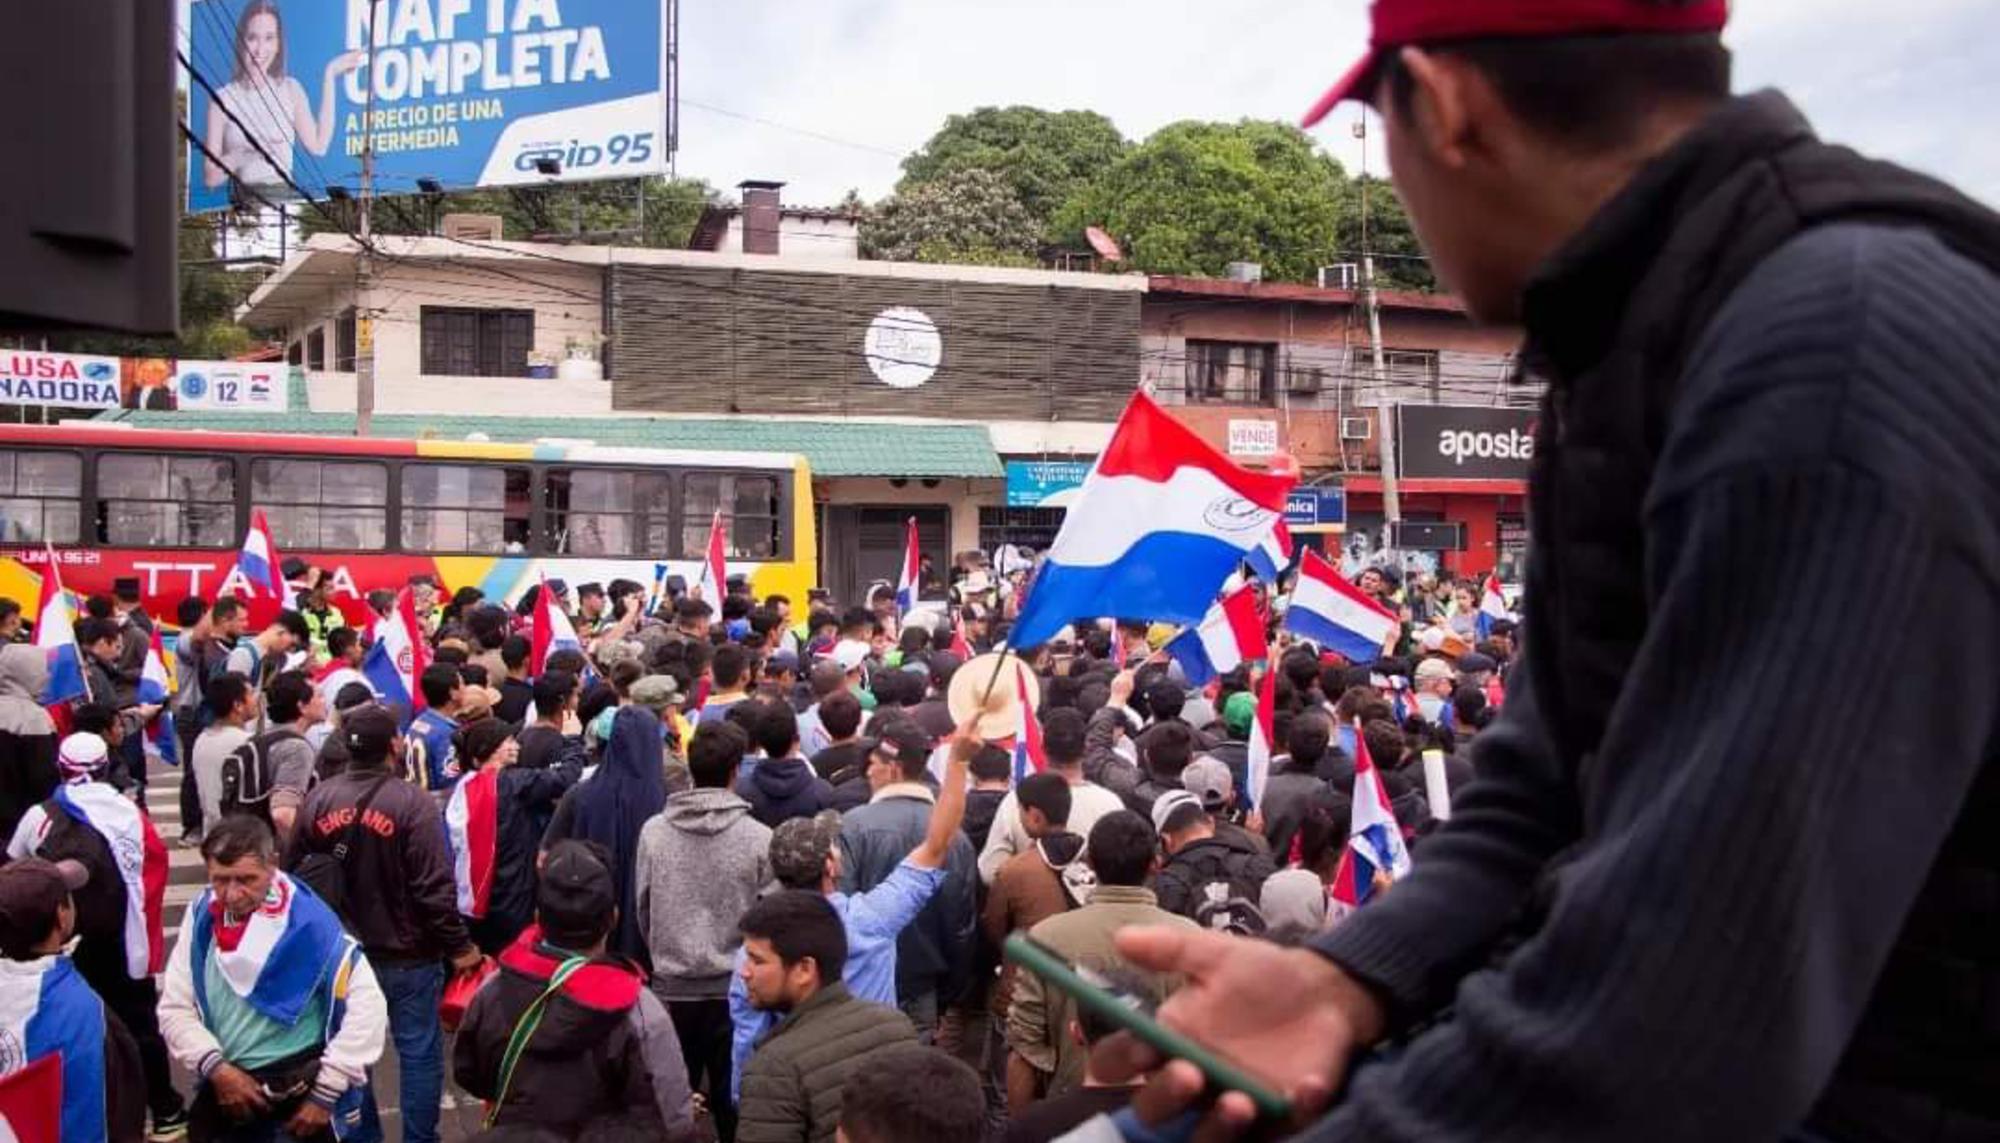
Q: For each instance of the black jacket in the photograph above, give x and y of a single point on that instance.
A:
(527, 799)
(1227, 860)
(981, 807)
(781, 789)
(1765, 355)
(402, 904)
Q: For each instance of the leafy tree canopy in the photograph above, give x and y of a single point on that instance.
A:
(1044, 156)
(969, 215)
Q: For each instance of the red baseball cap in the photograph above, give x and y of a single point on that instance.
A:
(1396, 23)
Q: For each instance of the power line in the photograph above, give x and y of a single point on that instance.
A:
(786, 127)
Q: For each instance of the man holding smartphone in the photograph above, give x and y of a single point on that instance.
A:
(1678, 902)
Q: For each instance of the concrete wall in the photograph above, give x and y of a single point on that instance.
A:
(802, 237)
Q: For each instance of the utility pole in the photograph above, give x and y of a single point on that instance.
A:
(1385, 413)
(364, 313)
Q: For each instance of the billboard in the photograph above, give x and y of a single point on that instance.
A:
(467, 92)
(91, 381)
(1464, 442)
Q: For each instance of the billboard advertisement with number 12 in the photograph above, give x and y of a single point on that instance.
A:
(466, 92)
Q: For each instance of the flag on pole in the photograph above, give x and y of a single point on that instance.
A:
(1231, 635)
(55, 634)
(1263, 735)
(713, 576)
(1272, 556)
(471, 824)
(1028, 755)
(1160, 521)
(1337, 615)
(154, 688)
(960, 645)
(1492, 606)
(908, 582)
(255, 577)
(1374, 840)
(553, 631)
(398, 657)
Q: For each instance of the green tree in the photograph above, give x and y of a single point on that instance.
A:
(1196, 196)
(608, 210)
(1044, 156)
(969, 215)
(1400, 263)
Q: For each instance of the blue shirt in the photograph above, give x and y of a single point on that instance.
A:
(873, 921)
(431, 749)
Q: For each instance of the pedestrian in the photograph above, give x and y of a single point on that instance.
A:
(912, 1094)
(517, 693)
(565, 1032)
(295, 707)
(730, 670)
(1063, 739)
(612, 807)
(491, 820)
(702, 862)
(260, 657)
(397, 895)
(1043, 1059)
(197, 656)
(794, 950)
(1047, 878)
(27, 734)
(52, 1011)
(1311, 772)
(783, 786)
(119, 912)
(269, 1004)
(1211, 784)
(233, 705)
(344, 656)
(1054, 1118)
(554, 737)
(315, 608)
(433, 757)
(102, 643)
(934, 956)
(662, 695)
(992, 780)
(1209, 877)
(844, 761)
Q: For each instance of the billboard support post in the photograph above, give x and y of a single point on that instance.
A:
(364, 358)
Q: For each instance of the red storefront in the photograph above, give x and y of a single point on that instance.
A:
(1461, 465)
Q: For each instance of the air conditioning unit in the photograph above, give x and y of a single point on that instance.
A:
(1244, 272)
(471, 227)
(1305, 382)
(1354, 428)
(1340, 276)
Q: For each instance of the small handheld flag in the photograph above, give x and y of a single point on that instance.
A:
(55, 634)
(714, 575)
(1374, 839)
(154, 689)
(1272, 557)
(1230, 635)
(907, 582)
(255, 576)
(471, 821)
(1492, 606)
(1028, 755)
(553, 631)
(1263, 734)
(1337, 615)
(399, 656)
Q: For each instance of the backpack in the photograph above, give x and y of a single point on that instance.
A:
(247, 775)
(100, 904)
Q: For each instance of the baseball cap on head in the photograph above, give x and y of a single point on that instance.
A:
(575, 896)
(799, 848)
(1395, 24)
(1208, 778)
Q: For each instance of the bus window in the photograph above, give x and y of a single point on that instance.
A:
(610, 512)
(41, 497)
(153, 500)
(750, 504)
(464, 508)
(323, 505)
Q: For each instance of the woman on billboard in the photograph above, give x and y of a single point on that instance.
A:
(272, 105)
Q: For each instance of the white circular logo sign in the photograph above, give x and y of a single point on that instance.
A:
(903, 347)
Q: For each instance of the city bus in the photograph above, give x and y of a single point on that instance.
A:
(170, 507)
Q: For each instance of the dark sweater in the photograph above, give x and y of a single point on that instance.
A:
(1728, 884)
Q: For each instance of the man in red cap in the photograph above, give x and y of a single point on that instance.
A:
(1695, 892)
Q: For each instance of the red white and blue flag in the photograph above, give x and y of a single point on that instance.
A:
(135, 849)
(277, 959)
(55, 634)
(255, 577)
(1272, 556)
(1261, 748)
(1160, 522)
(553, 631)
(960, 645)
(1231, 635)
(397, 658)
(155, 686)
(1374, 840)
(471, 823)
(1492, 606)
(713, 575)
(907, 582)
(52, 1086)
(1028, 755)
(1340, 617)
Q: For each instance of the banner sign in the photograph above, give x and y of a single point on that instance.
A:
(89, 381)
(58, 380)
(1316, 507)
(1464, 442)
(467, 92)
(1253, 438)
(1044, 483)
(232, 386)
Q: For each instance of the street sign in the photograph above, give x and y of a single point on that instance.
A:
(1316, 507)
(1044, 483)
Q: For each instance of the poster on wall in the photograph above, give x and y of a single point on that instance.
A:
(232, 386)
(158, 384)
(466, 92)
(59, 380)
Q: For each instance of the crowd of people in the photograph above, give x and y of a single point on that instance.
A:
(695, 876)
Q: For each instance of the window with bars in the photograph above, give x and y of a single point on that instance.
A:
(316, 348)
(464, 508)
(461, 342)
(1231, 372)
(41, 497)
(154, 500)
(750, 509)
(323, 505)
(343, 342)
(610, 512)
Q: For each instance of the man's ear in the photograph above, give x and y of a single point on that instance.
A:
(1439, 107)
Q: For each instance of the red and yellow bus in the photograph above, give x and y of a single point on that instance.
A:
(170, 508)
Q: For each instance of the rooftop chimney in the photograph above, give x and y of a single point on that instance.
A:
(760, 216)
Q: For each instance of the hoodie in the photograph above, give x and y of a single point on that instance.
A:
(781, 789)
(28, 772)
(702, 862)
(1047, 878)
(1228, 859)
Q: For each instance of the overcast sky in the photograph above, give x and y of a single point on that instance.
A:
(836, 91)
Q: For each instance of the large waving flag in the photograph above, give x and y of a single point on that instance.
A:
(255, 577)
(55, 634)
(1272, 556)
(154, 687)
(287, 947)
(1231, 635)
(52, 1085)
(1492, 605)
(471, 825)
(142, 865)
(1337, 615)
(397, 658)
(1028, 755)
(1160, 521)
(1374, 840)
(1263, 736)
(553, 631)
(907, 582)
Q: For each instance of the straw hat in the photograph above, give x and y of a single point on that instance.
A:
(1001, 716)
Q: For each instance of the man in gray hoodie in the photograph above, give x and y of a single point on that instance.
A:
(702, 862)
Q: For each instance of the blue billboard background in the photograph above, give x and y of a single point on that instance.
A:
(467, 92)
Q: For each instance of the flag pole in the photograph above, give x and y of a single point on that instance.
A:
(999, 661)
(82, 668)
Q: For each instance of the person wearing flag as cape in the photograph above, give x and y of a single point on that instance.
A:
(269, 1003)
(1681, 899)
(491, 819)
(74, 1070)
